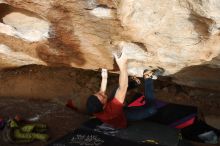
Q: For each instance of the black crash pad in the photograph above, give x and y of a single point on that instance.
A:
(85, 137)
(140, 131)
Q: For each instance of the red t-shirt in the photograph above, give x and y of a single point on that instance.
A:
(113, 114)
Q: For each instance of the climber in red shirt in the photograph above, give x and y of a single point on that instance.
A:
(112, 111)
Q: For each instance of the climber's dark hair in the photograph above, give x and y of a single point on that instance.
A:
(93, 105)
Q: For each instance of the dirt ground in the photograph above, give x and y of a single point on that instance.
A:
(41, 91)
(59, 119)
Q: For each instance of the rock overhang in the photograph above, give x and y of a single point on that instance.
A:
(84, 34)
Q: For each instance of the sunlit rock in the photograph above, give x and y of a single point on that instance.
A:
(10, 58)
(101, 12)
(178, 33)
(2, 1)
(7, 29)
(27, 27)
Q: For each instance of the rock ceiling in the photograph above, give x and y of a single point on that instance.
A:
(181, 36)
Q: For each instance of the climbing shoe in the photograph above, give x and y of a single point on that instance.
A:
(153, 74)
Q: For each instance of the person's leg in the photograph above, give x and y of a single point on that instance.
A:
(149, 91)
(149, 76)
(138, 113)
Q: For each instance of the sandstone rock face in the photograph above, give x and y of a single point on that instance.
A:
(173, 34)
(176, 33)
(28, 28)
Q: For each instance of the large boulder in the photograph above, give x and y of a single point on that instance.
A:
(180, 36)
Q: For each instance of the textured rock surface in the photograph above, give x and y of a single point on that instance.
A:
(175, 35)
